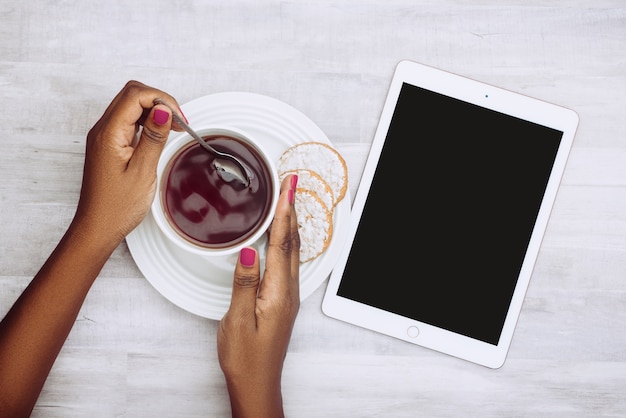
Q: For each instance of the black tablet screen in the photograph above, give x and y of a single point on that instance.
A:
(450, 213)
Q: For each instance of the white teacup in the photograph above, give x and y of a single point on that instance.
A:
(200, 212)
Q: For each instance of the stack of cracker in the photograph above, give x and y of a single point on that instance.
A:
(322, 184)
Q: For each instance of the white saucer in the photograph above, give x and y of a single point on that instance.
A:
(203, 286)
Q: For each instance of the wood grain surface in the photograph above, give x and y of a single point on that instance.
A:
(132, 353)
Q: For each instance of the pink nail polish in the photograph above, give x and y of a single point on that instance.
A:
(247, 257)
(294, 181)
(160, 117)
(291, 196)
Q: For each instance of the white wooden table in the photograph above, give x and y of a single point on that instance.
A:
(132, 353)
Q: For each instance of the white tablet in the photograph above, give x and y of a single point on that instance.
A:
(450, 212)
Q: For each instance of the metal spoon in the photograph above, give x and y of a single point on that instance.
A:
(227, 166)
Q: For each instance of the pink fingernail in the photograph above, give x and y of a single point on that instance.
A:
(294, 181)
(160, 117)
(291, 196)
(247, 257)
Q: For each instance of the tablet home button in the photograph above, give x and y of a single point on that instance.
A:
(412, 332)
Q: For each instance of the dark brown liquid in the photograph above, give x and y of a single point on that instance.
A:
(203, 207)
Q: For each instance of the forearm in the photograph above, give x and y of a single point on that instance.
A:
(34, 330)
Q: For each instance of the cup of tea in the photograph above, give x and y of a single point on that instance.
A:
(197, 209)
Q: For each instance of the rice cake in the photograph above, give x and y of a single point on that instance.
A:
(315, 224)
(311, 180)
(321, 158)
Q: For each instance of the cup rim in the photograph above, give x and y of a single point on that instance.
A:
(177, 141)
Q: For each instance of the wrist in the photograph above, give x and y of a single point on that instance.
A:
(92, 238)
(95, 231)
(255, 400)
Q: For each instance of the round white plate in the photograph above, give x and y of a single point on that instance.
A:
(201, 285)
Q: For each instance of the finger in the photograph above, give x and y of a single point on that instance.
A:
(278, 279)
(153, 136)
(295, 236)
(245, 285)
(128, 108)
(174, 108)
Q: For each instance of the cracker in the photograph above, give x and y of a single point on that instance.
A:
(321, 158)
(315, 224)
(309, 179)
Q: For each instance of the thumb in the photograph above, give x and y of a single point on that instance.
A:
(245, 284)
(154, 133)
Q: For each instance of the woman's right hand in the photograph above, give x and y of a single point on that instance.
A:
(119, 180)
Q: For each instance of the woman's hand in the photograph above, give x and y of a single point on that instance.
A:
(119, 179)
(254, 334)
(118, 187)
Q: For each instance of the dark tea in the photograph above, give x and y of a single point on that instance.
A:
(206, 210)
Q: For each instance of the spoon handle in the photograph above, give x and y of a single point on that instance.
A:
(193, 133)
